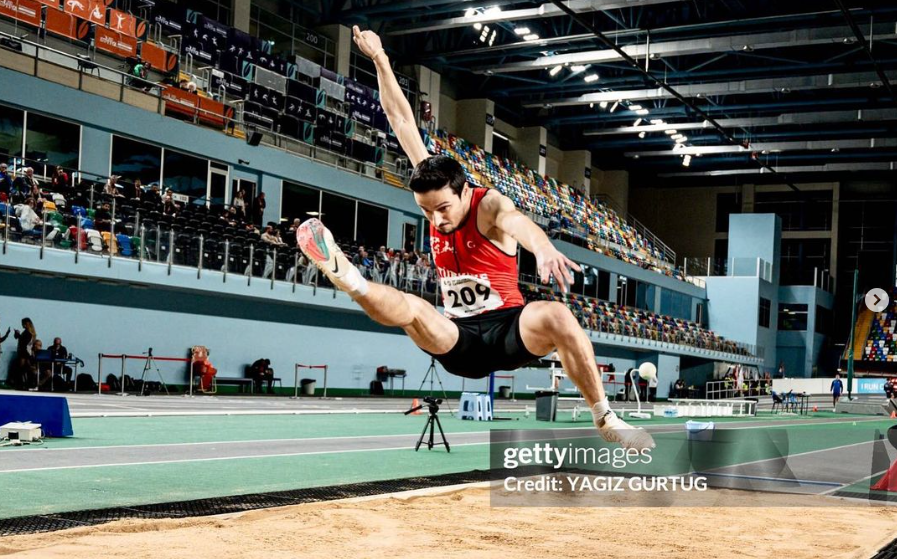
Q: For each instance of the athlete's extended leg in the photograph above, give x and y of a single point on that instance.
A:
(545, 326)
(428, 329)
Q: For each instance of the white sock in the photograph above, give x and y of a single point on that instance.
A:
(355, 283)
(600, 408)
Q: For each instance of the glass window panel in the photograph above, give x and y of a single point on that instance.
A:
(186, 174)
(51, 141)
(792, 316)
(11, 127)
(134, 160)
(298, 201)
(373, 225)
(339, 215)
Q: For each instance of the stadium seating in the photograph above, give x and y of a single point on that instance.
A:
(881, 344)
(551, 202)
(604, 316)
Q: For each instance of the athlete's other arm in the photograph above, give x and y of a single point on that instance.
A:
(500, 213)
(398, 110)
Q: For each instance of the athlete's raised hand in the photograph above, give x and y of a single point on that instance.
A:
(368, 41)
(551, 262)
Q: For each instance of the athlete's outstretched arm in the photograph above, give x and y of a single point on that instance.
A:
(501, 214)
(396, 106)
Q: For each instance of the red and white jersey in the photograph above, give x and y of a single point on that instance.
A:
(475, 275)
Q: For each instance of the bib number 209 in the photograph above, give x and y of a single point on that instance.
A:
(468, 296)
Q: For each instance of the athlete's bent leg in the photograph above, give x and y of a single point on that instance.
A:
(545, 326)
(431, 331)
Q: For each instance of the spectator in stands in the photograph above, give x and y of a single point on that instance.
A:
(258, 209)
(28, 218)
(191, 87)
(239, 204)
(27, 185)
(59, 351)
(781, 369)
(134, 191)
(679, 390)
(183, 84)
(111, 187)
(152, 195)
(42, 366)
(5, 183)
(103, 218)
(168, 206)
(228, 217)
(24, 364)
(268, 235)
(889, 389)
(260, 371)
(60, 180)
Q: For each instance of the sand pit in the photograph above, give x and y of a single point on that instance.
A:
(461, 522)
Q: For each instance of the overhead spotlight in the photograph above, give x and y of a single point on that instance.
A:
(555, 71)
(706, 123)
(603, 104)
(637, 122)
(675, 136)
(681, 139)
(686, 161)
(836, 150)
(747, 48)
(614, 106)
(670, 132)
(577, 68)
(635, 107)
(636, 156)
(641, 134)
(642, 112)
(700, 95)
(477, 26)
(548, 106)
(531, 37)
(591, 105)
(470, 12)
(492, 38)
(591, 78)
(489, 72)
(656, 121)
(785, 90)
(654, 56)
(521, 30)
(849, 40)
(492, 11)
(875, 85)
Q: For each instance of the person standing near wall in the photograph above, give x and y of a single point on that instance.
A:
(3, 339)
(24, 368)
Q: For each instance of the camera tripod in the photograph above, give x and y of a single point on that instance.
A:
(147, 366)
(432, 423)
(433, 374)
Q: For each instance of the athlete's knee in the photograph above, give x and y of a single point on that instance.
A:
(559, 319)
(417, 308)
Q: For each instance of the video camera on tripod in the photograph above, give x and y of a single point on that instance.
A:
(432, 422)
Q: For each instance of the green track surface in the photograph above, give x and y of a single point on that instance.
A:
(60, 490)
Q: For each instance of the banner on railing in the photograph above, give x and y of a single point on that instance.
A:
(126, 23)
(66, 25)
(159, 58)
(26, 11)
(115, 43)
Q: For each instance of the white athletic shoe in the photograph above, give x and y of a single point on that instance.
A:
(614, 430)
(316, 242)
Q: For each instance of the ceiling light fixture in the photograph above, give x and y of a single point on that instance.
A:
(521, 31)
(614, 106)
(555, 71)
(531, 37)
(591, 78)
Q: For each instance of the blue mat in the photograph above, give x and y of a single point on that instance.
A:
(52, 412)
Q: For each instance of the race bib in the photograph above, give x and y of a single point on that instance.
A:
(468, 295)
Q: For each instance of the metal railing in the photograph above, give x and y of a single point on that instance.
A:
(719, 389)
(126, 83)
(732, 267)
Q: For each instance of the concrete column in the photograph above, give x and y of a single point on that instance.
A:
(657, 299)
(471, 121)
(612, 292)
(241, 14)
(342, 36)
(430, 83)
(528, 147)
(273, 189)
(836, 207)
(747, 198)
(574, 167)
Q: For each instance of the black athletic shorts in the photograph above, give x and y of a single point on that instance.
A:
(487, 343)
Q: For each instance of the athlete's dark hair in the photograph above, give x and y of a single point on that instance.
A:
(436, 172)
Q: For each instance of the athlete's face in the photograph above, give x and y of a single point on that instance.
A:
(445, 209)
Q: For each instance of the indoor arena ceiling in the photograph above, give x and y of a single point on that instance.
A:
(672, 88)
